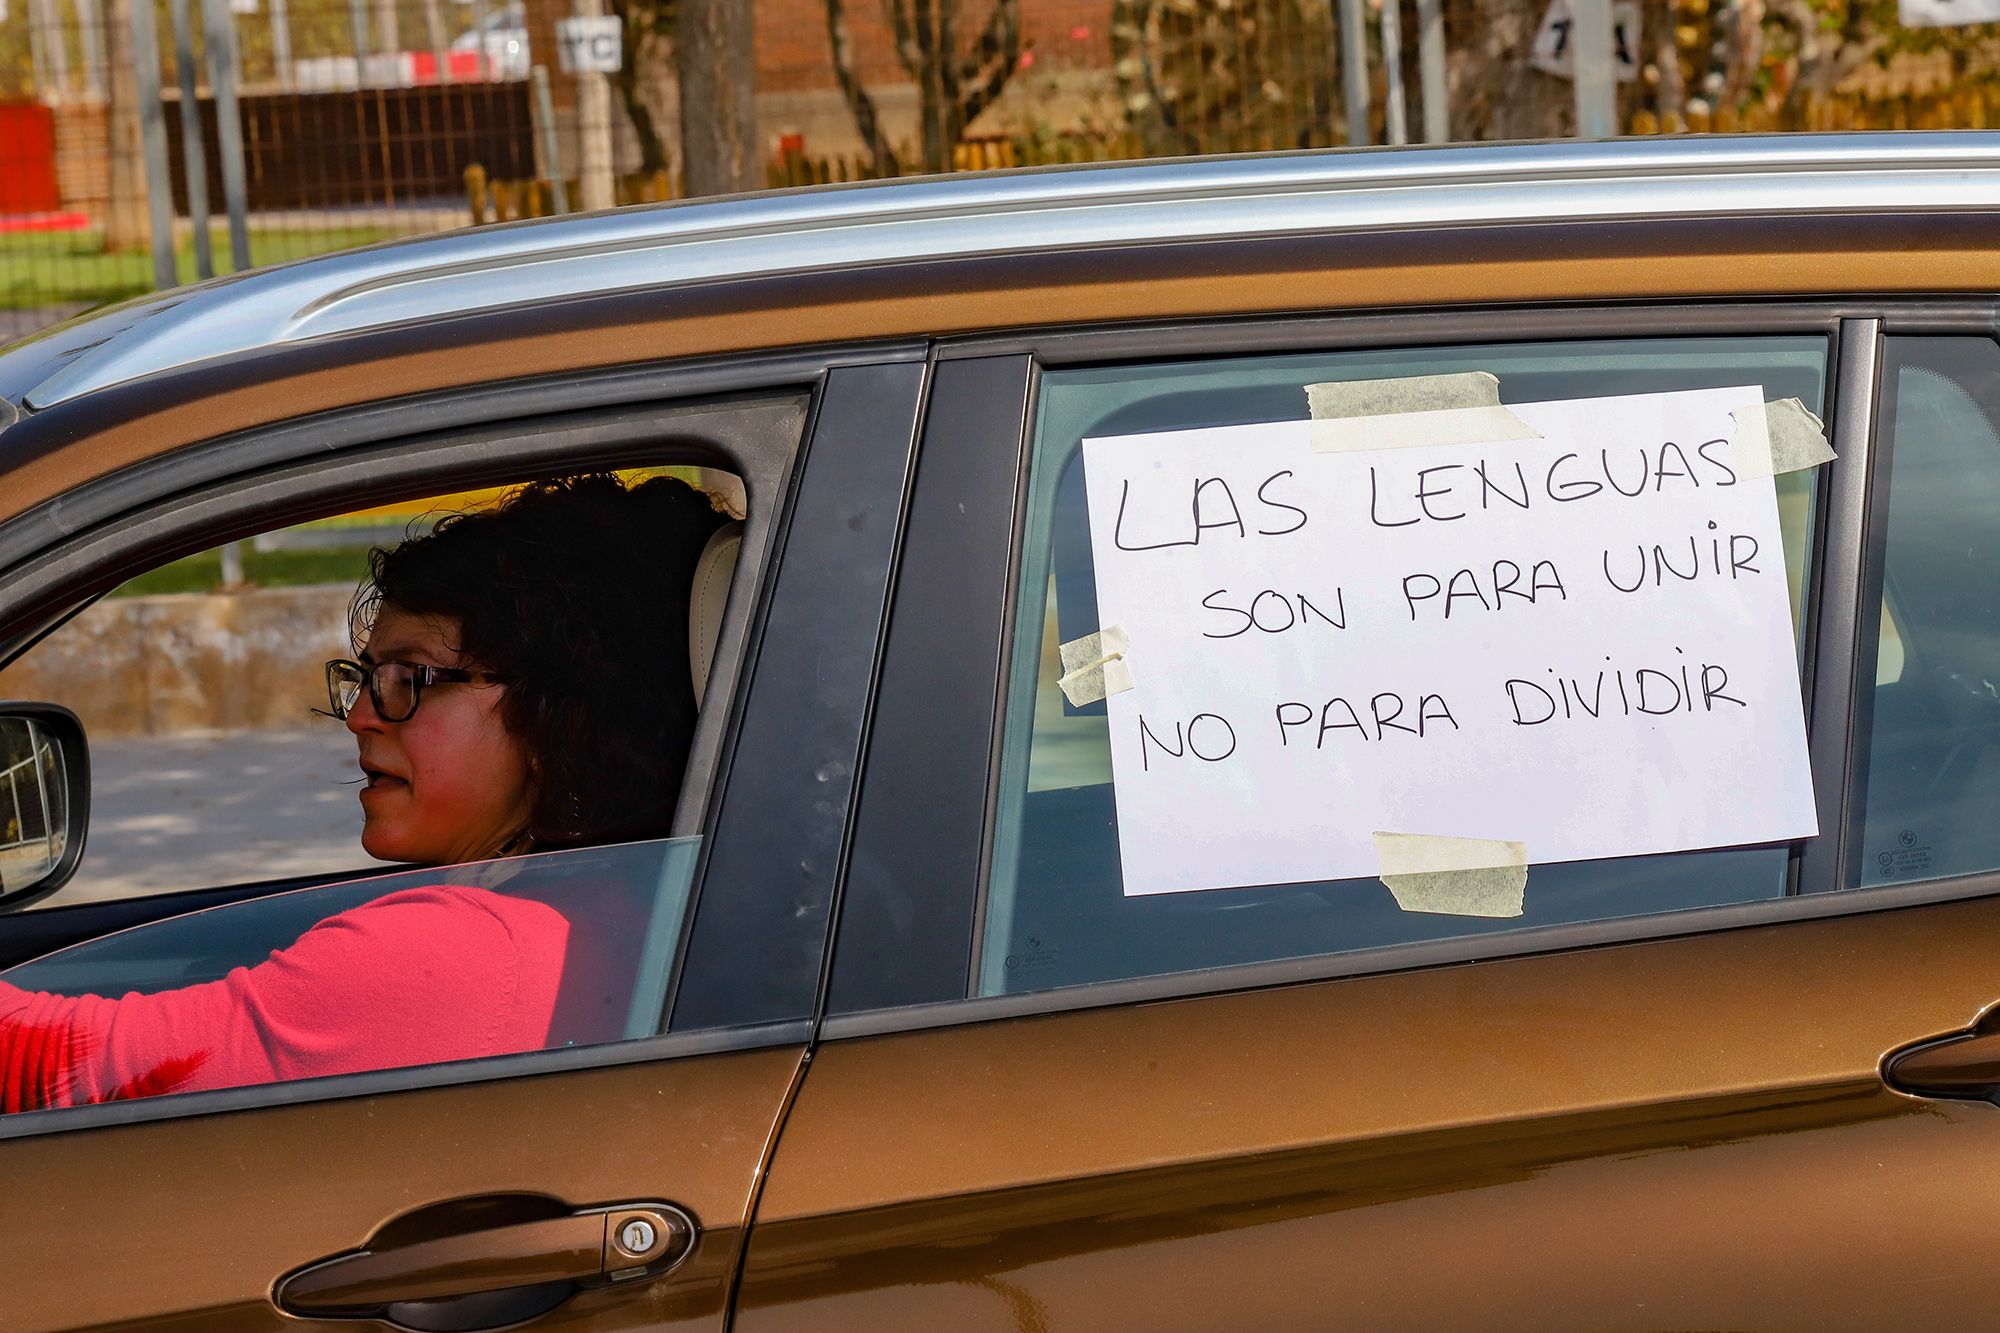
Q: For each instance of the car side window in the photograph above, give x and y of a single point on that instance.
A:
(201, 686)
(513, 699)
(1929, 733)
(1058, 909)
(537, 952)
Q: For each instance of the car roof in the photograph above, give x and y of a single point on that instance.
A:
(1030, 215)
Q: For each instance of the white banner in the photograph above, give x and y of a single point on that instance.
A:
(1582, 642)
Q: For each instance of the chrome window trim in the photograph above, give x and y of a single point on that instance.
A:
(1663, 928)
(379, 1082)
(845, 228)
(138, 485)
(1845, 530)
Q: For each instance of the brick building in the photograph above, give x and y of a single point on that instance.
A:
(1065, 43)
(1065, 79)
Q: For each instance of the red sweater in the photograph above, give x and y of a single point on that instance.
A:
(412, 978)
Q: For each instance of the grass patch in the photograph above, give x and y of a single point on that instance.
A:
(71, 268)
(266, 569)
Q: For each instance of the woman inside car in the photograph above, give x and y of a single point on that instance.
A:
(514, 689)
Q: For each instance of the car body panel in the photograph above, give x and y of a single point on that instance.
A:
(144, 1226)
(1682, 1133)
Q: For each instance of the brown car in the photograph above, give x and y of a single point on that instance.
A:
(982, 980)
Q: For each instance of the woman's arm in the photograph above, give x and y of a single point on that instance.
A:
(415, 977)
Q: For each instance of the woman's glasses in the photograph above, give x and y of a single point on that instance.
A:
(395, 688)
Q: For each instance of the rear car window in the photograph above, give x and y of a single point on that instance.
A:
(1929, 738)
(1062, 905)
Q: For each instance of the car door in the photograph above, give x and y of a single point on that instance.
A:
(459, 1189)
(1658, 1099)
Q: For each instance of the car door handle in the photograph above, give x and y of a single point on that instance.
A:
(1965, 1065)
(590, 1247)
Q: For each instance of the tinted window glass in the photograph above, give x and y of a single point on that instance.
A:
(475, 706)
(559, 949)
(1056, 912)
(201, 685)
(1931, 728)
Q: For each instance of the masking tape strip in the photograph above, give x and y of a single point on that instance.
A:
(1454, 876)
(1782, 436)
(1094, 666)
(1412, 412)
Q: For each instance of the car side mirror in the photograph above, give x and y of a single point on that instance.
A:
(44, 800)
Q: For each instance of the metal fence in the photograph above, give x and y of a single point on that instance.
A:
(145, 143)
(150, 142)
(32, 812)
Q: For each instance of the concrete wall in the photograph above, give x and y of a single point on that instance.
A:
(154, 666)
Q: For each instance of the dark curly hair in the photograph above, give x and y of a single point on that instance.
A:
(575, 593)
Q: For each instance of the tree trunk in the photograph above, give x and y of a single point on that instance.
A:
(716, 53)
(1498, 94)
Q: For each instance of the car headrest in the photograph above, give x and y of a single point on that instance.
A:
(713, 573)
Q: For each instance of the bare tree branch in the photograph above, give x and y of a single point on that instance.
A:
(944, 52)
(936, 105)
(998, 54)
(641, 24)
(859, 103)
(952, 89)
(899, 32)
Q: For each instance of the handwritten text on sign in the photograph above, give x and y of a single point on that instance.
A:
(1582, 642)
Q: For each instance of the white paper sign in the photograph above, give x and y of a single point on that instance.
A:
(1947, 13)
(1582, 642)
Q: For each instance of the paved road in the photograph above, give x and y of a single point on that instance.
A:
(193, 811)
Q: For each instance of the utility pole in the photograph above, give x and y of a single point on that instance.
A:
(1591, 40)
(45, 29)
(1396, 113)
(440, 47)
(1431, 72)
(1354, 71)
(388, 39)
(223, 60)
(194, 153)
(545, 113)
(281, 42)
(593, 127)
(90, 19)
(357, 24)
(158, 182)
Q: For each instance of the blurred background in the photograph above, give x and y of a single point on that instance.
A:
(145, 143)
